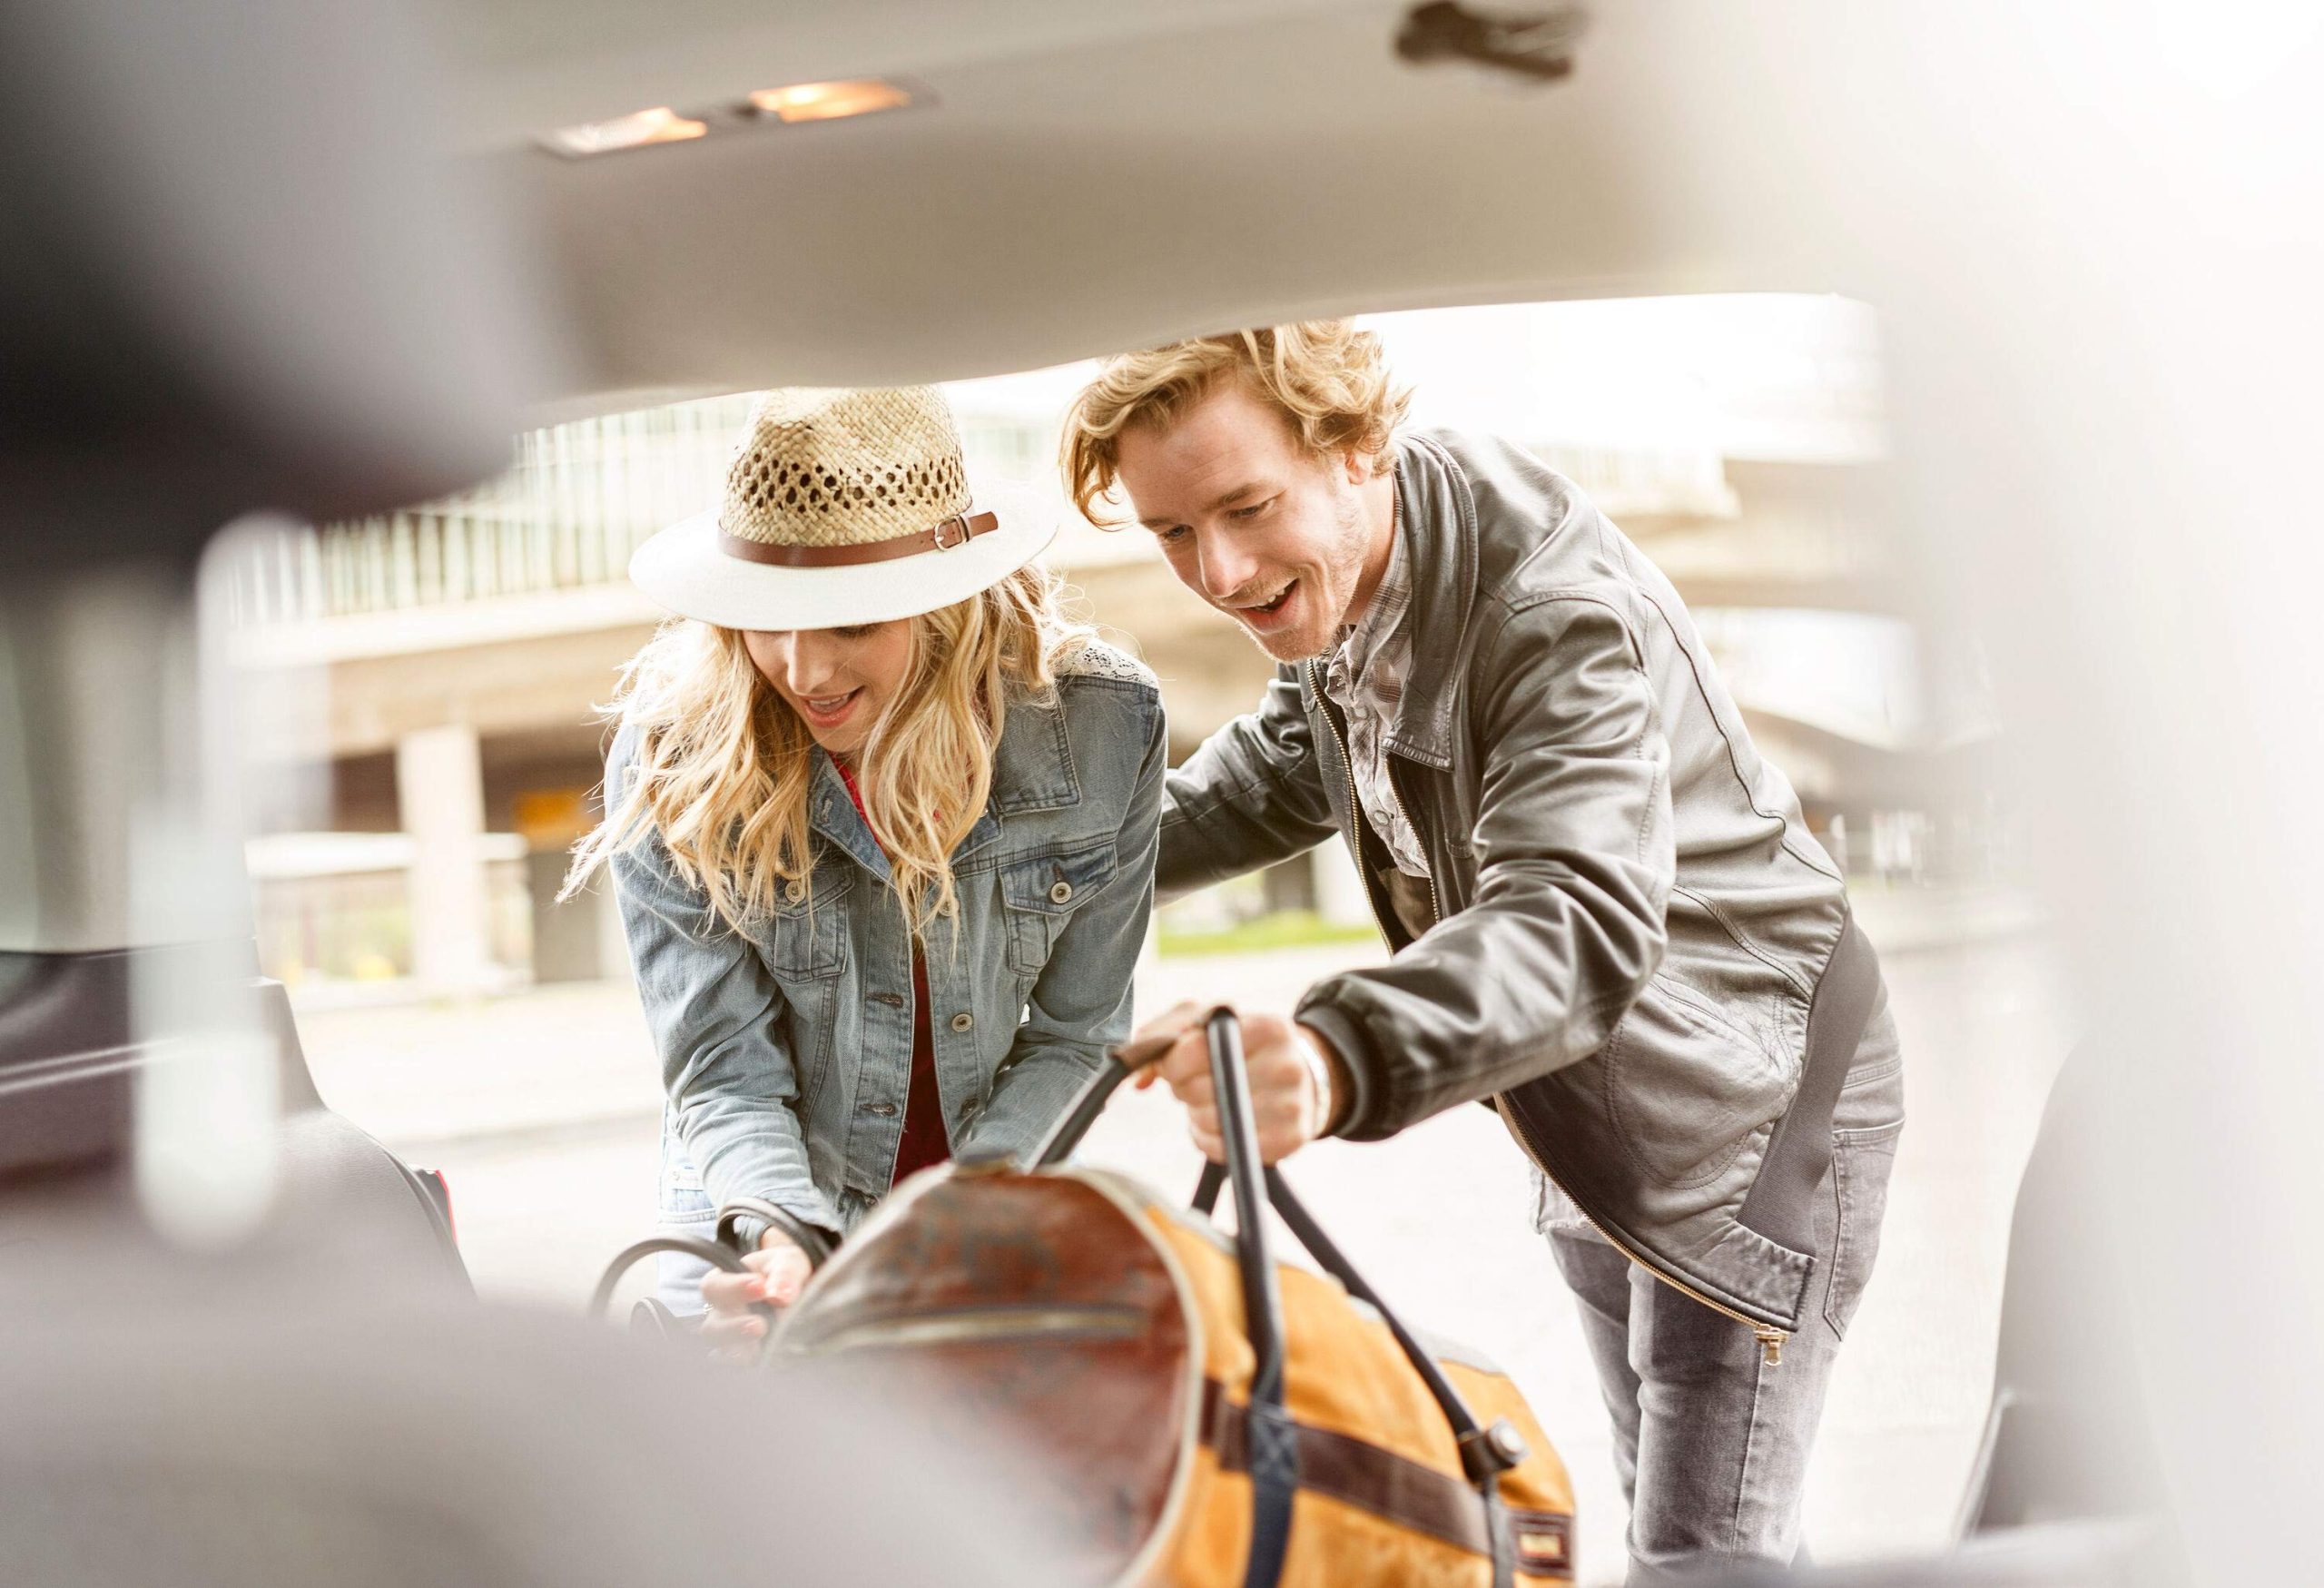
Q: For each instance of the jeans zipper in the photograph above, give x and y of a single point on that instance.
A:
(1770, 1338)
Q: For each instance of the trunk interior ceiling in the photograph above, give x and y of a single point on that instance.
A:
(1089, 177)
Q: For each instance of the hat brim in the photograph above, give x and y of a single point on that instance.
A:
(685, 570)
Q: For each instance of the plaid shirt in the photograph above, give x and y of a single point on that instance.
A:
(1364, 676)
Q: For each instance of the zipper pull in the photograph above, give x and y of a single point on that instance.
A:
(1771, 1342)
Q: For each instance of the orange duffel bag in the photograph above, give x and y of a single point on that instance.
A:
(1186, 1411)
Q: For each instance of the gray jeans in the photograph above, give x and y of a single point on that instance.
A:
(1710, 1441)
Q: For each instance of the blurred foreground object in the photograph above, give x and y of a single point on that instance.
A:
(239, 277)
(256, 1438)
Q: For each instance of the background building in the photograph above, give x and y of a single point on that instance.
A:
(434, 672)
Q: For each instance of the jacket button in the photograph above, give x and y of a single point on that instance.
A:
(1060, 892)
(963, 1021)
(796, 890)
(882, 1110)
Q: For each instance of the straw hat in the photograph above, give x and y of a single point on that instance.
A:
(841, 507)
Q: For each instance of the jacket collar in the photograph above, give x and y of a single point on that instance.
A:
(1032, 770)
(1438, 519)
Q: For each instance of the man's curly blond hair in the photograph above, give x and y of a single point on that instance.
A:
(1328, 379)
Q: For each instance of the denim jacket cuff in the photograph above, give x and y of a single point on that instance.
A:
(752, 1229)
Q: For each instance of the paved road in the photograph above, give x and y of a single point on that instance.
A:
(541, 1109)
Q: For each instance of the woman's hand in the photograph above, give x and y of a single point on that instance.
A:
(776, 1273)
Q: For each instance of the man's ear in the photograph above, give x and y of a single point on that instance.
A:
(1358, 468)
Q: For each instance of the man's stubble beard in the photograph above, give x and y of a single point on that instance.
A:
(1345, 571)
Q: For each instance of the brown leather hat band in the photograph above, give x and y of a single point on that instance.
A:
(954, 531)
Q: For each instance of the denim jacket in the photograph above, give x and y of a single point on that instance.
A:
(786, 1047)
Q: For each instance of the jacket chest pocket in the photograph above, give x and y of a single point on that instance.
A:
(805, 939)
(1040, 893)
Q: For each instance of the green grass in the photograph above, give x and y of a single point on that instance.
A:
(1285, 929)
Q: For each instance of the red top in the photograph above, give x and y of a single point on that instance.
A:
(924, 1140)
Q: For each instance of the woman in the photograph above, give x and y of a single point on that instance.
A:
(881, 827)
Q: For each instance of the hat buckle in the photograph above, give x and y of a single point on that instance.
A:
(958, 525)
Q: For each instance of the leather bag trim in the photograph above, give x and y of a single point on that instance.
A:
(1392, 1487)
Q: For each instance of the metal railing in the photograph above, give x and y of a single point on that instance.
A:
(581, 496)
(578, 500)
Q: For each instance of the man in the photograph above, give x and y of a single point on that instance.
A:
(1610, 920)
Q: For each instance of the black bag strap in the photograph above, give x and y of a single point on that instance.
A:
(1205, 1200)
(1273, 1439)
(1486, 1451)
(711, 1252)
(806, 1235)
(725, 1251)
(1082, 1112)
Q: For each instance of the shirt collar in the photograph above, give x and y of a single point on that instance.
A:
(1360, 640)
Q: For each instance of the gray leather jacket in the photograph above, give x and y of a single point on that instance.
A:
(1630, 919)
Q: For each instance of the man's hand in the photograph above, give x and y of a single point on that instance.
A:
(1294, 1078)
(778, 1272)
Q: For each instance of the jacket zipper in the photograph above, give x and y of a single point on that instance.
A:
(1355, 810)
(1770, 1338)
(1435, 906)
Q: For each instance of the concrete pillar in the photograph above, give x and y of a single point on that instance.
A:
(440, 789)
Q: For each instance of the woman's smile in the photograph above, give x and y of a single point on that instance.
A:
(829, 710)
(838, 680)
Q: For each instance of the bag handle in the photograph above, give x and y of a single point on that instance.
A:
(1485, 1451)
(716, 1254)
(803, 1235)
(1273, 1438)
(725, 1251)
(1117, 1066)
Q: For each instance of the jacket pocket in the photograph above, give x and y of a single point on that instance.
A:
(804, 937)
(1871, 1116)
(682, 1199)
(1861, 1162)
(1039, 892)
(1686, 1086)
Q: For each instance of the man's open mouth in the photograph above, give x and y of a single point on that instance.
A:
(1259, 613)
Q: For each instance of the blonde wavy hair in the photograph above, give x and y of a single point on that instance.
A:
(723, 765)
(1328, 381)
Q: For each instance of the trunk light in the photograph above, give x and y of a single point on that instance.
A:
(830, 101)
(659, 125)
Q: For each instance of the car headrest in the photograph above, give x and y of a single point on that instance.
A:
(239, 275)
